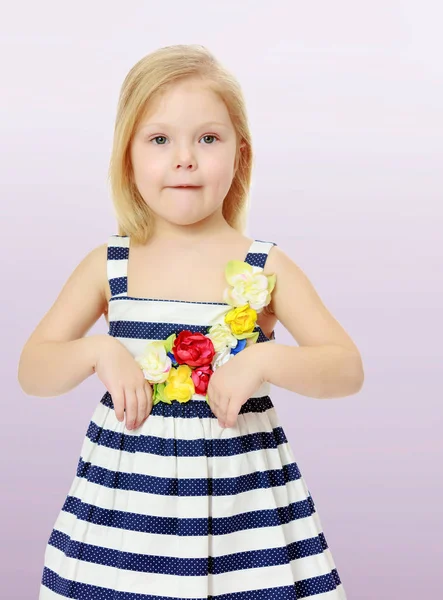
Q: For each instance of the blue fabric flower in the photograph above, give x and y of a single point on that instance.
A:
(240, 345)
(172, 357)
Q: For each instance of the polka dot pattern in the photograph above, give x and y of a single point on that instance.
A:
(196, 486)
(159, 331)
(124, 533)
(154, 445)
(192, 410)
(306, 589)
(188, 526)
(192, 567)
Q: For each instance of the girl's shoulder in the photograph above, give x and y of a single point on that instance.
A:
(80, 302)
(299, 307)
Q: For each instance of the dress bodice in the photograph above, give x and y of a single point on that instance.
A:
(137, 321)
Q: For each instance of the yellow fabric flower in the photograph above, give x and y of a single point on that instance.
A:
(179, 385)
(241, 320)
(249, 285)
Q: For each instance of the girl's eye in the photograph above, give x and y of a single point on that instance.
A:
(209, 136)
(162, 137)
(158, 137)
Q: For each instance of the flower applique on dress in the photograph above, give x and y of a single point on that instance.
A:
(182, 365)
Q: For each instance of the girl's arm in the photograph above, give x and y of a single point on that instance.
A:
(57, 357)
(326, 363)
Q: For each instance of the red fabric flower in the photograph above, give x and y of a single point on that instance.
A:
(193, 349)
(200, 377)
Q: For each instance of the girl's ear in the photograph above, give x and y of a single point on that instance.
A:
(243, 145)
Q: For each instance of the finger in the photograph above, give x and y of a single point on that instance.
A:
(142, 405)
(222, 413)
(131, 408)
(149, 399)
(211, 396)
(214, 403)
(118, 400)
(231, 413)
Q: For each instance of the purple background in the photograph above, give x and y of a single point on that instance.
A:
(344, 100)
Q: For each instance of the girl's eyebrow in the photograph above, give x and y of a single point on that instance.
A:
(165, 125)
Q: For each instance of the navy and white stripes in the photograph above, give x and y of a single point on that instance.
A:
(181, 508)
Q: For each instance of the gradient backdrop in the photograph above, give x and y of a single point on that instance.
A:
(345, 102)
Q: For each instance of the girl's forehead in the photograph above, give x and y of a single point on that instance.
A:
(171, 125)
(184, 116)
(197, 96)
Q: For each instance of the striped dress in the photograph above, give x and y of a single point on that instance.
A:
(181, 508)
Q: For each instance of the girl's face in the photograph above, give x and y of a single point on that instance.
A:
(186, 137)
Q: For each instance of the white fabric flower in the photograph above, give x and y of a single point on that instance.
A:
(222, 336)
(155, 362)
(221, 358)
(249, 285)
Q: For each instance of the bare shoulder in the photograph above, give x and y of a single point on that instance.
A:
(79, 304)
(298, 306)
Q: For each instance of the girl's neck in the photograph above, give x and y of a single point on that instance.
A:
(192, 234)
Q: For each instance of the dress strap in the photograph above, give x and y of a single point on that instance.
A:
(118, 255)
(117, 264)
(258, 253)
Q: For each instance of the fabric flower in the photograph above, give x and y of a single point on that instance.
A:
(241, 320)
(200, 377)
(158, 394)
(222, 336)
(221, 358)
(240, 346)
(193, 349)
(155, 362)
(179, 385)
(249, 285)
(183, 364)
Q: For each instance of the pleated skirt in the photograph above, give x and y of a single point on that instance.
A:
(181, 508)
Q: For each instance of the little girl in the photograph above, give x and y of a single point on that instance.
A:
(186, 485)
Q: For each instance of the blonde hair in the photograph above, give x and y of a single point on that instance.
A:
(147, 79)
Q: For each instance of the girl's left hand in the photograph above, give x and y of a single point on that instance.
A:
(232, 384)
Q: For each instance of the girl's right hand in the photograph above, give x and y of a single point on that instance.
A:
(124, 380)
